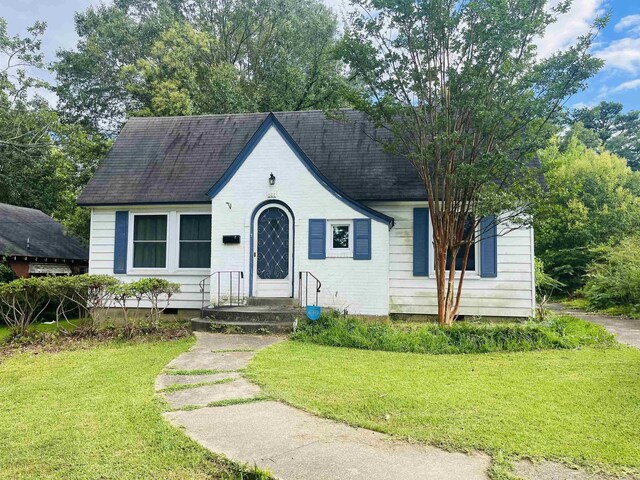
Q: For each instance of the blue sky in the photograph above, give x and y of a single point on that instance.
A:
(618, 44)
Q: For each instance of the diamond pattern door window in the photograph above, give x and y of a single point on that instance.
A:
(273, 244)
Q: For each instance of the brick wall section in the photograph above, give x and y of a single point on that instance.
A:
(20, 268)
(359, 286)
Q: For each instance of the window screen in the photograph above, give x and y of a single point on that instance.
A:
(150, 241)
(195, 241)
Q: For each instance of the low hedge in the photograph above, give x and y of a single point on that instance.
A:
(463, 337)
(25, 300)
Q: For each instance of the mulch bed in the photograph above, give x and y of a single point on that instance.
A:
(84, 338)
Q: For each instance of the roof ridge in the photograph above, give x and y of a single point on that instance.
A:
(240, 114)
(19, 207)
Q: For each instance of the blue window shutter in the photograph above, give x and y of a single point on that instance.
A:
(317, 238)
(420, 242)
(362, 239)
(121, 241)
(488, 247)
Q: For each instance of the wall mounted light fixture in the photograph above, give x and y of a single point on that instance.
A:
(272, 179)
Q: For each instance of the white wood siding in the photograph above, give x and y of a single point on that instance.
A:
(101, 251)
(510, 294)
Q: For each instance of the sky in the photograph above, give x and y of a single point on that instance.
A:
(618, 44)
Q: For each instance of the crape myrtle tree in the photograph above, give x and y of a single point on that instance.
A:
(466, 99)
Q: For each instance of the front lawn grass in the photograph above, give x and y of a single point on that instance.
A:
(93, 414)
(577, 406)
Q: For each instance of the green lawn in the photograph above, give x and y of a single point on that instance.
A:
(579, 406)
(93, 414)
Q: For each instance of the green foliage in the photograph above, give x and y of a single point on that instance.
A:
(27, 171)
(614, 279)
(6, 274)
(593, 199)
(619, 132)
(557, 332)
(151, 289)
(545, 286)
(45, 163)
(467, 105)
(197, 57)
(22, 301)
(545, 283)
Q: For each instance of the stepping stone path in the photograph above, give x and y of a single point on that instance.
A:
(228, 415)
(289, 443)
(214, 361)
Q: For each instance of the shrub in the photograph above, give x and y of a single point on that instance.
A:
(22, 301)
(615, 278)
(6, 274)
(545, 286)
(153, 289)
(120, 293)
(462, 337)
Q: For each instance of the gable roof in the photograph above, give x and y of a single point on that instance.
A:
(31, 233)
(179, 159)
(272, 121)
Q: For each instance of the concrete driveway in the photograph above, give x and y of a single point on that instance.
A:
(626, 329)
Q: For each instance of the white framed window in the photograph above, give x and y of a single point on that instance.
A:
(339, 238)
(150, 241)
(194, 238)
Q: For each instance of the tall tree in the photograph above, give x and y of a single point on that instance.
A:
(91, 87)
(43, 163)
(459, 85)
(618, 131)
(593, 200)
(27, 172)
(196, 57)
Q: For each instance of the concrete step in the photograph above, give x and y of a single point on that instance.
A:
(260, 314)
(272, 302)
(210, 325)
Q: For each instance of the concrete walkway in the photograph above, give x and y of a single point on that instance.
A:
(626, 329)
(229, 415)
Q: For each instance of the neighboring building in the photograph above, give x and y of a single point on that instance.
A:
(271, 196)
(32, 244)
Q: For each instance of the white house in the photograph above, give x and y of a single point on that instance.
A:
(275, 201)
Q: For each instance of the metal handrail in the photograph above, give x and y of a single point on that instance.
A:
(306, 288)
(231, 273)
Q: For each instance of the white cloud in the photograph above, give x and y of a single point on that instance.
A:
(630, 85)
(584, 105)
(569, 26)
(630, 23)
(622, 54)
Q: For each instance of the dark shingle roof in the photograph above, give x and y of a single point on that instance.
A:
(178, 159)
(31, 233)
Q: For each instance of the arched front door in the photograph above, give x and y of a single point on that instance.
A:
(272, 252)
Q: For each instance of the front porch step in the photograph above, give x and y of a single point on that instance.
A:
(209, 325)
(272, 318)
(262, 313)
(272, 302)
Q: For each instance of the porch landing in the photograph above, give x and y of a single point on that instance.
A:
(260, 315)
